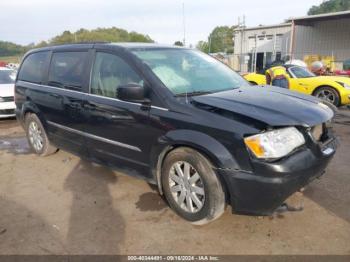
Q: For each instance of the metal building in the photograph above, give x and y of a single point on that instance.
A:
(257, 46)
(323, 37)
(317, 36)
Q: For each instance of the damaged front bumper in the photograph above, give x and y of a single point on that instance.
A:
(262, 191)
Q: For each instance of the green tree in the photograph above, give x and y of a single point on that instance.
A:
(203, 46)
(41, 44)
(330, 6)
(11, 49)
(219, 40)
(178, 43)
(112, 34)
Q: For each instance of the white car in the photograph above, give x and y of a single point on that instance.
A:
(7, 104)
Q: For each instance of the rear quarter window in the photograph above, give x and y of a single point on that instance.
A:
(33, 67)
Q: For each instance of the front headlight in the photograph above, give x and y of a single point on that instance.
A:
(344, 85)
(276, 143)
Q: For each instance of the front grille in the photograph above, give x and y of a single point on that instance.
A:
(8, 99)
(7, 112)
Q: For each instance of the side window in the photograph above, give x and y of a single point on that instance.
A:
(109, 72)
(33, 67)
(301, 72)
(67, 70)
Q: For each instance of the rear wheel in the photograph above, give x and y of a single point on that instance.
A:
(37, 137)
(191, 186)
(328, 94)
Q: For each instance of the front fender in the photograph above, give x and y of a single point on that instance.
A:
(207, 145)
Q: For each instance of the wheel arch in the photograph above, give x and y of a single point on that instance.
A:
(213, 150)
(29, 107)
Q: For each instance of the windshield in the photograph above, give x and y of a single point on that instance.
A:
(301, 72)
(7, 76)
(185, 71)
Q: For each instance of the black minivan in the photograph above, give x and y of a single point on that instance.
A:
(181, 119)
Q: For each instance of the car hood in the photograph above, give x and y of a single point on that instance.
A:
(7, 90)
(340, 79)
(271, 105)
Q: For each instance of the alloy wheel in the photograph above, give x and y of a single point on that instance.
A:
(326, 95)
(186, 187)
(35, 136)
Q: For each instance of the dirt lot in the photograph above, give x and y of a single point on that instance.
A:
(63, 205)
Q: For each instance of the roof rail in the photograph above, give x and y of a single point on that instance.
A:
(83, 42)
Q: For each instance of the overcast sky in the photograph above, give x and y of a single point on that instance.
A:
(26, 21)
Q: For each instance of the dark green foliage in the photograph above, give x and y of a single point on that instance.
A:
(330, 6)
(11, 49)
(219, 40)
(178, 43)
(100, 34)
(83, 35)
(203, 46)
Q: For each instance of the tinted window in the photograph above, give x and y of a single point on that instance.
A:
(7, 76)
(33, 67)
(301, 72)
(109, 72)
(67, 70)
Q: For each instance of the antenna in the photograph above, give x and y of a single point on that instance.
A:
(184, 23)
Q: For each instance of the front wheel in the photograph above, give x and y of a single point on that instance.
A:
(192, 187)
(328, 94)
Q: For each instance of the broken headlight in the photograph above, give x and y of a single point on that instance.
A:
(276, 143)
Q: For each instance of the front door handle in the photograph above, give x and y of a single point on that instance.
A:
(54, 95)
(75, 105)
(89, 105)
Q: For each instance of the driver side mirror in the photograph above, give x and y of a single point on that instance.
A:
(131, 93)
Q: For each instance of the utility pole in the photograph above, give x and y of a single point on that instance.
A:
(241, 26)
(184, 23)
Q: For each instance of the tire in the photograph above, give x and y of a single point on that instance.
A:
(183, 195)
(35, 132)
(328, 94)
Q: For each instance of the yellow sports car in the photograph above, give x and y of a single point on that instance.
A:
(334, 89)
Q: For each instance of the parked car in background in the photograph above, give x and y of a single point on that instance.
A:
(179, 118)
(334, 89)
(7, 104)
(13, 66)
(342, 73)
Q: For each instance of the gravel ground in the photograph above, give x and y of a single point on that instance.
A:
(64, 205)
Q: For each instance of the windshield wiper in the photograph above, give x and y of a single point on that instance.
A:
(194, 93)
